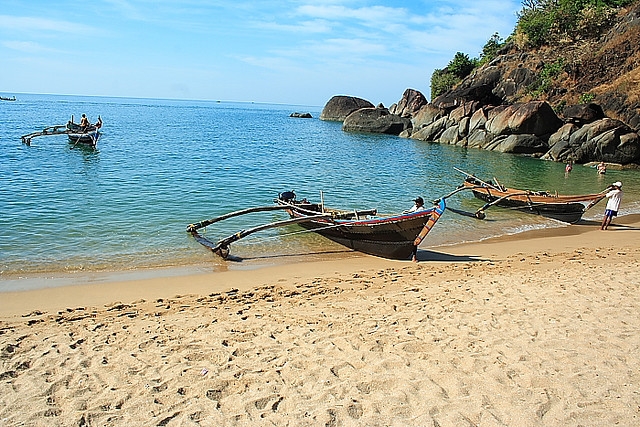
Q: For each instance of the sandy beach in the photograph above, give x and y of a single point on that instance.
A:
(538, 329)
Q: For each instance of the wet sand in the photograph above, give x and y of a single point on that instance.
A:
(527, 330)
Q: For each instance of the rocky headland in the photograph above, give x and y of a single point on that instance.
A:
(494, 108)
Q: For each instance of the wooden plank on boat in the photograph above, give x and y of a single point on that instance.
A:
(435, 215)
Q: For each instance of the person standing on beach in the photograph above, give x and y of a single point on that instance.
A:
(613, 204)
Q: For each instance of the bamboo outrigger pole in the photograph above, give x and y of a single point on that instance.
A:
(51, 130)
(478, 179)
(221, 248)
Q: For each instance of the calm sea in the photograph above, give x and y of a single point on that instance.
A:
(72, 212)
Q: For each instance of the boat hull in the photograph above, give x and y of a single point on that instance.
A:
(565, 212)
(89, 138)
(389, 237)
(562, 208)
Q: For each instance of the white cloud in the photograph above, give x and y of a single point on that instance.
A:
(369, 15)
(26, 24)
(316, 26)
(26, 47)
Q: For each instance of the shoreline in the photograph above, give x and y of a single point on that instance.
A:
(538, 328)
(97, 289)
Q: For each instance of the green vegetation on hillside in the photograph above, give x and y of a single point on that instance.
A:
(461, 66)
(545, 79)
(540, 22)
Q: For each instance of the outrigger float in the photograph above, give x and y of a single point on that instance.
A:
(77, 134)
(394, 236)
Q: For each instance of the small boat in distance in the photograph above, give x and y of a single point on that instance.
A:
(13, 98)
(390, 236)
(566, 208)
(86, 134)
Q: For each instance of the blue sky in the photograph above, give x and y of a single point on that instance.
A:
(292, 52)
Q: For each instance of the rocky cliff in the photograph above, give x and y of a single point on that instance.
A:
(587, 110)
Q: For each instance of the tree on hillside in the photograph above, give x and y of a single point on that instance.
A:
(543, 22)
(461, 66)
(490, 49)
(442, 81)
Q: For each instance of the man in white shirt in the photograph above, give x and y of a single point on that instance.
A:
(418, 206)
(613, 204)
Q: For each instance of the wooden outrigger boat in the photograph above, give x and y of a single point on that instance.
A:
(395, 236)
(566, 208)
(84, 135)
(2, 98)
(77, 134)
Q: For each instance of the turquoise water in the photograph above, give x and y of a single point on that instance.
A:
(163, 164)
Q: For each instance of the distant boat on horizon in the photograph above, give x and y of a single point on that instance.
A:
(2, 98)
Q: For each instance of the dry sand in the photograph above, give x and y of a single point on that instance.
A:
(537, 330)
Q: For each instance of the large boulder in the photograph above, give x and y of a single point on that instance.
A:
(478, 120)
(426, 115)
(451, 135)
(582, 114)
(340, 106)
(478, 138)
(519, 144)
(607, 140)
(465, 110)
(432, 132)
(479, 86)
(482, 93)
(375, 120)
(509, 87)
(411, 102)
(559, 148)
(536, 117)
(625, 106)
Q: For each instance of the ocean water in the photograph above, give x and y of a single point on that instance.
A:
(160, 165)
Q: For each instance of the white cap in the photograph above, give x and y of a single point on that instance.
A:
(617, 184)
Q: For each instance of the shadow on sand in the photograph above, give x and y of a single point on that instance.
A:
(425, 255)
(240, 259)
(622, 227)
(612, 226)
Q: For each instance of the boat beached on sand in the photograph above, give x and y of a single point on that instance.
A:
(566, 208)
(390, 236)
